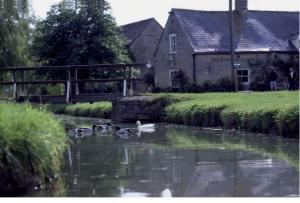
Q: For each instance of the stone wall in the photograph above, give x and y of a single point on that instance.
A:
(132, 109)
(213, 67)
(183, 58)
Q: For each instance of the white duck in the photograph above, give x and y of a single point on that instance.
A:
(148, 128)
(126, 193)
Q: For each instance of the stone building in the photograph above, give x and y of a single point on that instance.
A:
(197, 44)
(142, 39)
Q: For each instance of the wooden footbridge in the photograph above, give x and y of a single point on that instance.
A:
(17, 79)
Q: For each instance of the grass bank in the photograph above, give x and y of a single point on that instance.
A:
(96, 110)
(262, 112)
(32, 143)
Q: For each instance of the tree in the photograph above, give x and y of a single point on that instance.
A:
(14, 33)
(88, 35)
(83, 34)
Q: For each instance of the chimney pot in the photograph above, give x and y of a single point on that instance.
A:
(241, 5)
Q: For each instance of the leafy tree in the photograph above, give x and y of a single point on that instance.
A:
(83, 34)
(14, 33)
(88, 35)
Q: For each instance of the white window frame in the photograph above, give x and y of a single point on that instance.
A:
(241, 76)
(170, 78)
(173, 43)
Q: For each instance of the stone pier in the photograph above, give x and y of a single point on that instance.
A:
(131, 109)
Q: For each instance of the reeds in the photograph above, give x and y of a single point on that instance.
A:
(32, 143)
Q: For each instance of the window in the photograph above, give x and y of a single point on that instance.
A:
(243, 76)
(172, 42)
(174, 81)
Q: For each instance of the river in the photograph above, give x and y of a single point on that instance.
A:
(179, 161)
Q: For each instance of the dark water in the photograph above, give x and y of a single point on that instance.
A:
(183, 161)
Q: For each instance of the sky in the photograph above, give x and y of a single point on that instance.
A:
(128, 11)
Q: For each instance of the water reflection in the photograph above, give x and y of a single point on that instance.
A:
(182, 162)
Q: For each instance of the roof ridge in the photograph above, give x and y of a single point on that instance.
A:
(141, 21)
(193, 10)
(273, 11)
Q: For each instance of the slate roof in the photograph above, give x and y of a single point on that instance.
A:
(208, 31)
(133, 30)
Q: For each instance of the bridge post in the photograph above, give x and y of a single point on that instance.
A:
(68, 85)
(23, 79)
(76, 84)
(124, 82)
(124, 87)
(15, 85)
(131, 86)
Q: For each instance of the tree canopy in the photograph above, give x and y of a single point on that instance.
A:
(86, 34)
(14, 33)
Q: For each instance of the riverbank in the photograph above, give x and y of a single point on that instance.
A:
(260, 112)
(95, 110)
(32, 143)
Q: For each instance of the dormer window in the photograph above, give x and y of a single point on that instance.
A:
(173, 43)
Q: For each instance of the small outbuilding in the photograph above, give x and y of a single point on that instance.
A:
(142, 38)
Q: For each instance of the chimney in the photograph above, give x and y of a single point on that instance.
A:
(241, 5)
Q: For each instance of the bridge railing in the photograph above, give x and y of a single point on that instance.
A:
(125, 69)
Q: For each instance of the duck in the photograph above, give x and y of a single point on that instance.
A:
(86, 130)
(145, 128)
(80, 132)
(126, 193)
(122, 130)
(104, 128)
